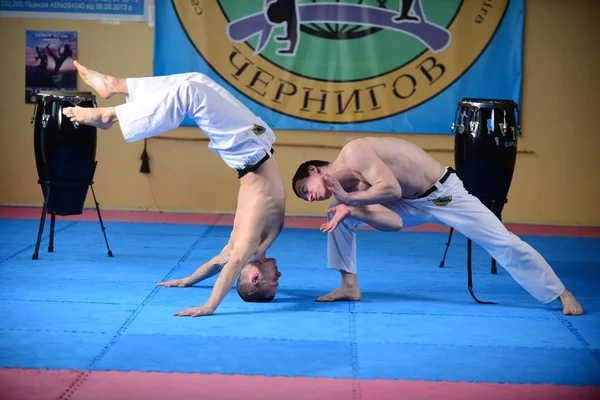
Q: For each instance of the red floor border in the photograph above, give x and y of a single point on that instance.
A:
(41, 384)
(14, 212)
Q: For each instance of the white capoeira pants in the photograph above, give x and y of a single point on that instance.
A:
(469, 216)
(159, 104)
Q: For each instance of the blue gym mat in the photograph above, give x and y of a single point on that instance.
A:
(76, 308)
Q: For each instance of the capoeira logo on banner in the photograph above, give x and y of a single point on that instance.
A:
(340, 61)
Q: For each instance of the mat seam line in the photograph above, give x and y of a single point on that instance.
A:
(356, 390)
(51, 331)
(370, 343)
(33, 245)
(67, 302)
(83, 376)
(586, 345)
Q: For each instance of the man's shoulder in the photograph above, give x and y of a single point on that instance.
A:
(355, 144)
(358, 147)
(356, 153)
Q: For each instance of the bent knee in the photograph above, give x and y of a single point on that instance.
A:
(392, 228)
(190, 92)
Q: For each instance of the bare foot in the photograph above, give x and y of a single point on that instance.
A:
(102, 118)
(570, 305)
(343, 293)
(101, 83)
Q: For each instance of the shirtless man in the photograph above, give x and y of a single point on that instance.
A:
(390, 184)
(158, 104)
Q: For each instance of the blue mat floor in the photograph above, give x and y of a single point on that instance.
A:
(76, 308)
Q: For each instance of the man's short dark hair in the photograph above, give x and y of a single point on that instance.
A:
(302, 171)
(251, 293)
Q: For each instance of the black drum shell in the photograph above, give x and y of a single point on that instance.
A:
(485, 158)
(65, 154)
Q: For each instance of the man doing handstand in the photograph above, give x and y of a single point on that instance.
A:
(158, 104)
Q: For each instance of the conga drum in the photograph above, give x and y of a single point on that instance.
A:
(485, 148)
(65, 152)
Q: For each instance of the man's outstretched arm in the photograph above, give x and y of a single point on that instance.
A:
(375, 215)
(205, 271)
(378, 216)
(231, 270)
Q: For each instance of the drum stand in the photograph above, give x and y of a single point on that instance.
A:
(47, 187)
(492, 207)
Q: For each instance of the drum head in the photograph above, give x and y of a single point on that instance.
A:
(487, 103)
(66, 95)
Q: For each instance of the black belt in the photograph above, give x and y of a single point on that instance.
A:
(252, 168)
(443, 179)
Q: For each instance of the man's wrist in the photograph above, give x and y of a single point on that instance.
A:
(346, 199)
(352, 211)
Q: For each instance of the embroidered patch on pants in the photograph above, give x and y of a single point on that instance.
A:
(258, 130)
(442, 201)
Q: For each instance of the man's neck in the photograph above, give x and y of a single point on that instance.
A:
(334, 168)
(346, 177)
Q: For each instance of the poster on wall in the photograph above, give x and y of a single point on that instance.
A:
(348, 65)
(119, 10)
(49, 62)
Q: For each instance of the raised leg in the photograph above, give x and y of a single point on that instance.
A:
(105, 85)
(152, 115)
(101, 117)
(141, 88)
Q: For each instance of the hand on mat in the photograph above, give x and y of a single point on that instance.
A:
(195, 312)
(335, 187)
(175, 283)
(341, 211)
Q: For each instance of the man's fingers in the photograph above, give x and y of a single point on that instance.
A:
(329, 179)
(329, 227)
(194, 312)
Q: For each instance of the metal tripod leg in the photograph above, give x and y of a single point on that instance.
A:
(447, 245)
(101, 223)
(42, 222)
(51, 242)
